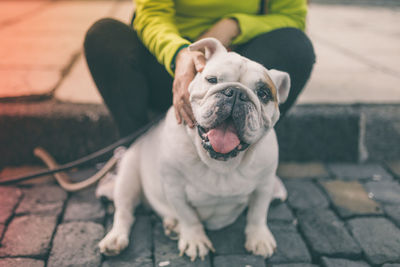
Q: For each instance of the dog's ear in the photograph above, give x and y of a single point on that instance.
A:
(281, 81)
(208, 46)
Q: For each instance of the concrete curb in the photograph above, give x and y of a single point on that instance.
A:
(66, 130)
(341, 133)
(355, 133)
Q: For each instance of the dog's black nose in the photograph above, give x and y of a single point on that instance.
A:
(235, 92)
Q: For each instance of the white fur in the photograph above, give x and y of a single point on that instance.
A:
(173, 172)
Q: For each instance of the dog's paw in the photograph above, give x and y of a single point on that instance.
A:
(113, 243)
(260, 241)
(194, 243)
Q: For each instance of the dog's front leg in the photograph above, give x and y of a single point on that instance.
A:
(193, 240)
(127, 192)
(259, 239)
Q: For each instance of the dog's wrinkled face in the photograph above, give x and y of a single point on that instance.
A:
(234, 100)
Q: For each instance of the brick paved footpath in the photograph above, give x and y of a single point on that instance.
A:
(336, 215)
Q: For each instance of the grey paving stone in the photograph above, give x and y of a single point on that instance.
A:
(28, 236)
(138, 253)
(348, 171)
(166, 251)
(305, 195)
(109, 223)
(294, 265)
(44, 199)
(21, 262)
(83, 206)
(391, 265)
(378, 238)
(290, 246)
(332, 262)
(326, 234)
(231, 239)
(393, 211)
(385, 191)
(279, 211)
(238, 261)
(350, 198)
(294, 170)
(9, 199)
(75, 244)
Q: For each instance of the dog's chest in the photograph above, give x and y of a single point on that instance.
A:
(199, 198)
(205, 186)
(217, 211)
(219, 199)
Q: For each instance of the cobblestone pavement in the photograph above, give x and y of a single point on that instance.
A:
(335, 215)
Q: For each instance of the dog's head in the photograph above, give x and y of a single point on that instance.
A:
(234, 100)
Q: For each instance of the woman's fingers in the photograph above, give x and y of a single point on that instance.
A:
(184, 111)
(186, 118)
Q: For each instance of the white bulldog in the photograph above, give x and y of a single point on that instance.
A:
(207, 176)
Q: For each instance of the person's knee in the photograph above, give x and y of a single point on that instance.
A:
(99, 31)
(281, 48)
(302, 47)
(298, 51)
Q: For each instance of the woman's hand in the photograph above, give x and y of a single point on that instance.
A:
(188, 63)
(224, 30)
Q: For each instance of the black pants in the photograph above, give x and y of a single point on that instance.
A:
(131, 81)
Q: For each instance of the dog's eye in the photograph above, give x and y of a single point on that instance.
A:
(212, 79)
(264, 95)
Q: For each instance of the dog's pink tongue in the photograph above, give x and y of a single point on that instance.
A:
(223, 138)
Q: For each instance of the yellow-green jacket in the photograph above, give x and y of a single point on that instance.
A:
(164, 26)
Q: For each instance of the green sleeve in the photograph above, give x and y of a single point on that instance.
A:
(281, 13)
(155, 26)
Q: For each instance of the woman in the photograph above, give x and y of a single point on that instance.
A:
(135, 67)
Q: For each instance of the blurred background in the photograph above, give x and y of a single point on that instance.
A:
(47, 97)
